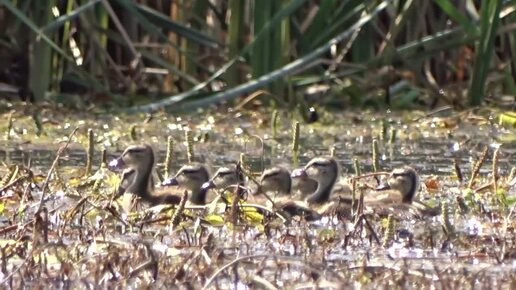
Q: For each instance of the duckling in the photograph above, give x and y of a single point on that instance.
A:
(191, 177)
(137, 162)
(399, 192)
(400, 187)
(278, 180)
(223, 178)
(325, 171)
(302, 184)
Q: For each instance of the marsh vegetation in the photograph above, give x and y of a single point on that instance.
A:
(63, 226)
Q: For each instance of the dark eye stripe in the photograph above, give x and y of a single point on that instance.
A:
(400, 174)
(189, 171)
(224, 173)
(134, 150)
(320, 164)
(270, 174)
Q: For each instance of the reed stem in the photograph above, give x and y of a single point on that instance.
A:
(392, 136)
(189, 145)
(376, 158)
(170, 155)
(295, 142)
(9, 126)
(445, 219)
(388, 237)
(332, 151)
(274, 124)
(179, 211)
(356, 166)
(476, 167)
(133, 134)
(495, 170)
(90, 151)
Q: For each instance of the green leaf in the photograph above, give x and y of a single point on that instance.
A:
(449, 8)
(214, 219)
(489, 19)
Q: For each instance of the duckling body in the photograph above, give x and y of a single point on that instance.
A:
(399, 193)
(325, 171)
(275, 180)
(137, 162)
(396, 195)
(278, 180)
(191, 177)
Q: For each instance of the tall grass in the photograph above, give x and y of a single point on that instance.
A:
(197, 53)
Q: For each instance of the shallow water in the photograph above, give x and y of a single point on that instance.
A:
(300, 253)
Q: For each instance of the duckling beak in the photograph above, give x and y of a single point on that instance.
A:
(170, 182)
(257, 191)
(299, 173)
(383, 186)
(208, 185)
(116, 164)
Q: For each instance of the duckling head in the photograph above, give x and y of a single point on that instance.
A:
(138, 157)
(276, 179)
(137, 162)
(325, 171)
(191, 177)
(224, 177)
(322, 169)
(405, 180)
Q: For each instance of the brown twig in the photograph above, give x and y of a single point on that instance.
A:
(54, 164)
(14, 182)
(495, 170)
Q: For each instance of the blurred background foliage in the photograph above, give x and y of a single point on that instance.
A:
(186, 54)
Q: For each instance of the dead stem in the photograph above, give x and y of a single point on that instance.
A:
(152, 263)
(52, 167)
(14, 182)
(476, 168)
(388, 235)
(179, 211)
(458, 171)
(376, 156)
(494, 172)
(89, 153)
(190, 155)
(170, 156)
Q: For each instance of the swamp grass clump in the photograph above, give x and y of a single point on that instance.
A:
(63, 229)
